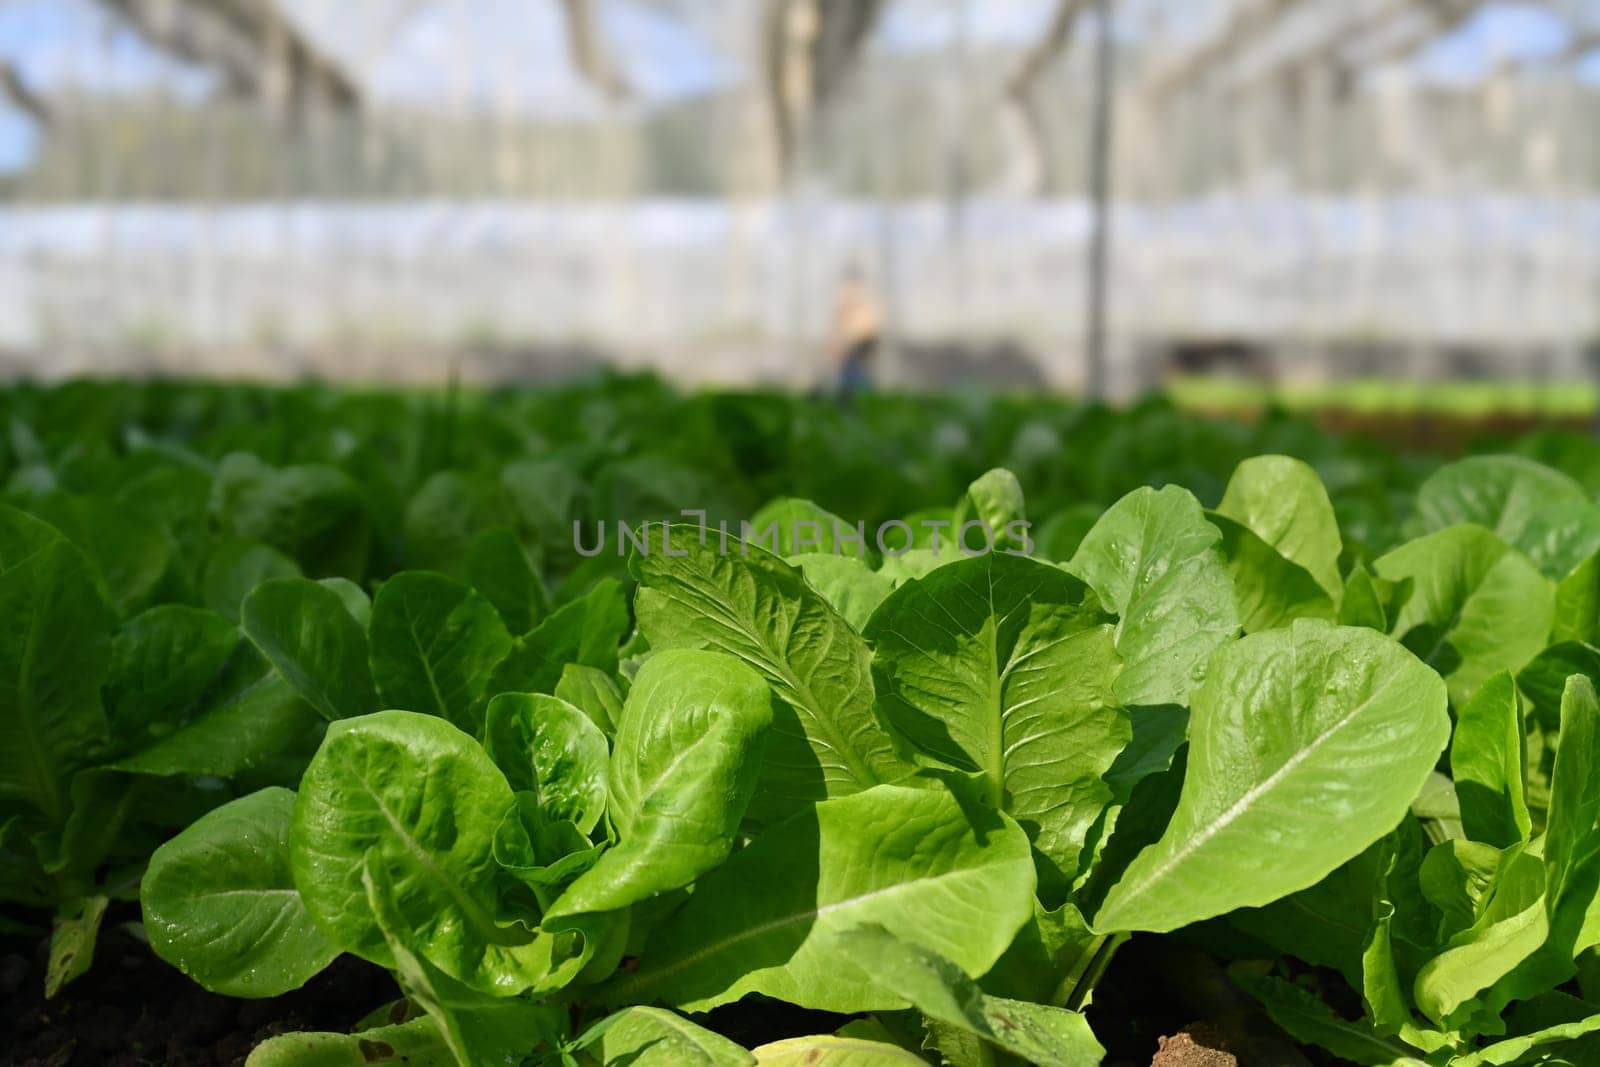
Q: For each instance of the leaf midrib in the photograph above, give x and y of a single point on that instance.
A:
(644, 981)
(48, 787)
(469, 907)
(772, 662)
(427, 666)
(1248, 800)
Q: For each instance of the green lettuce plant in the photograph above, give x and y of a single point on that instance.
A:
(945, 816)
(326, 673)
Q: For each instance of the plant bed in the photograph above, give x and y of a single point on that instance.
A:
(1227, 741)
(132, 1009)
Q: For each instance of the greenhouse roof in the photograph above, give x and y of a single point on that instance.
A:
(515, 56)
(513, 50)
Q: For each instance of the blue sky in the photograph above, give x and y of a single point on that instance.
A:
(61, 42)
(1500, 32)
(512, 51)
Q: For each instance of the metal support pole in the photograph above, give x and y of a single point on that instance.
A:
(1100, 200)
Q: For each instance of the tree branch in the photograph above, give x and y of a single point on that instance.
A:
(1341, 45)
(1056, 40)
(1020, 89)
(589, 54)
(1249, 22)
(241, 40)
(13, 88)
(812, 48)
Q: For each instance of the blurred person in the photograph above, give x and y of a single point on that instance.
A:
(855, 336)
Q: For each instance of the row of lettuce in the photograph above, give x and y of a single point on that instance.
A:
(313, 673)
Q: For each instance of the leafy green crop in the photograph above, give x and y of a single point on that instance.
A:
(317, 673)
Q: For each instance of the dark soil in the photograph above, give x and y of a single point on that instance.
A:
(1168, 1004)
(133, 1009)
(1132, 1005)
(1448, 435)
(756, 1021)
(1195, 1046)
